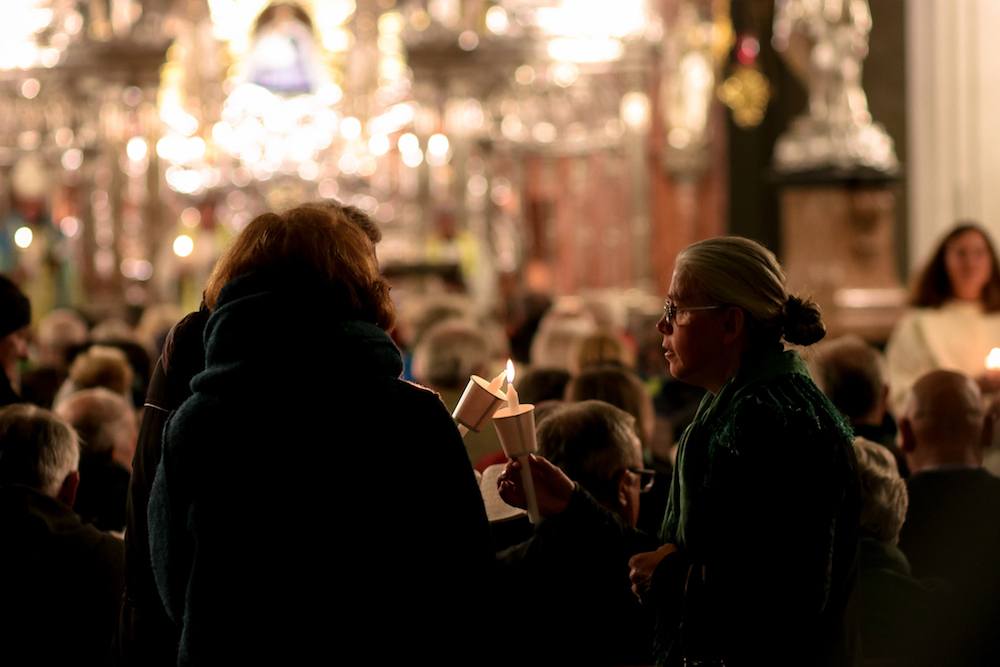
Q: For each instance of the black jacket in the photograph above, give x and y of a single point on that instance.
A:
(573, 577)
(60, 583)
(145, 636)
(279, 530)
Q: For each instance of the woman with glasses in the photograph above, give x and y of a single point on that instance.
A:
(760, 537)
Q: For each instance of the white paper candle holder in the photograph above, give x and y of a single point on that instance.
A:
(516, 430)
(478, 404)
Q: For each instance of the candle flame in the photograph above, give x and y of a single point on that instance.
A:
(992, 361)
(510, 370)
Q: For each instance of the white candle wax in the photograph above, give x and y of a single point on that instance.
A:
(512, 401)
(497, 381)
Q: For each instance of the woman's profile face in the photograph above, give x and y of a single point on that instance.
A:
(968, 265)
(692, 342)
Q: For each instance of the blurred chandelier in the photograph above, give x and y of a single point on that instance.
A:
(547, 74)
(323, 91)
(286, 108)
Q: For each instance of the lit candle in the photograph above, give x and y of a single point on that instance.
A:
(512, 401)
(524, 421)
(993, 360)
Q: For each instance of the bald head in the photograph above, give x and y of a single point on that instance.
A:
(943, 421)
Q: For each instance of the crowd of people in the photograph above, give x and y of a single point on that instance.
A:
(285, 482)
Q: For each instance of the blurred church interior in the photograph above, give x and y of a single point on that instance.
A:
(504, 146)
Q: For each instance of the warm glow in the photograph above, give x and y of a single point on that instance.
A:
(72, 159)
(30, 88)
(468, 40)
(190, 217)
(635, 109)
(593, 18)
(378, 144)
(408, 143)
(22, 237)
(586, 50)
(413, 159)
(69, 226)
(510, 372)
(437, 144)
(179, 120)
(496, 20)
(183, 245)
(993, 359)
(136, 148)
(350, 128)
(21, 21)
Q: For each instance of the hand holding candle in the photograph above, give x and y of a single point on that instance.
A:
(515, 425)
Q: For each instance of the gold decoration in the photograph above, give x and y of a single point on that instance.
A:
(746, 92)
(723, 35)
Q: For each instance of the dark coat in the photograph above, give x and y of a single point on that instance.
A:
(765, 501)
(145, 636)
(897, 611)
(278, 532)
(952, 537)
(61, 583)
(573, 577)
(7, 394)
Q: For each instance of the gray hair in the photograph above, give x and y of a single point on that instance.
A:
(449, 353)
(734, 271)
(104, 421)
(592, 442)
(883, 491)
(37, 448)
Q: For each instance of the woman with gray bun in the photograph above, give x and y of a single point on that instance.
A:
(760, 538)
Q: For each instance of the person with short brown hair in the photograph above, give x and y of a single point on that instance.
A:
(321, 244)
(277, 532)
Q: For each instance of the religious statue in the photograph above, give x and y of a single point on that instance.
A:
(824, 43)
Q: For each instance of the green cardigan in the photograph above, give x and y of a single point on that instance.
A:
(764, 500)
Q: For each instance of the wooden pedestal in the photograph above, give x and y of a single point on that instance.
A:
(838, 248)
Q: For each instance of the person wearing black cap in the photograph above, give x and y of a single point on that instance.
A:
(15, 320)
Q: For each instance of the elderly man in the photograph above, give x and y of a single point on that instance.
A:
(108, 431)
(574, 577)
(62, 580)
(15, 322)
(952, 532)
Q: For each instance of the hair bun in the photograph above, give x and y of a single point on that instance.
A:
(803, 321)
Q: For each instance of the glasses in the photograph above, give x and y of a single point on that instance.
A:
(670, 312)
(646, 478)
